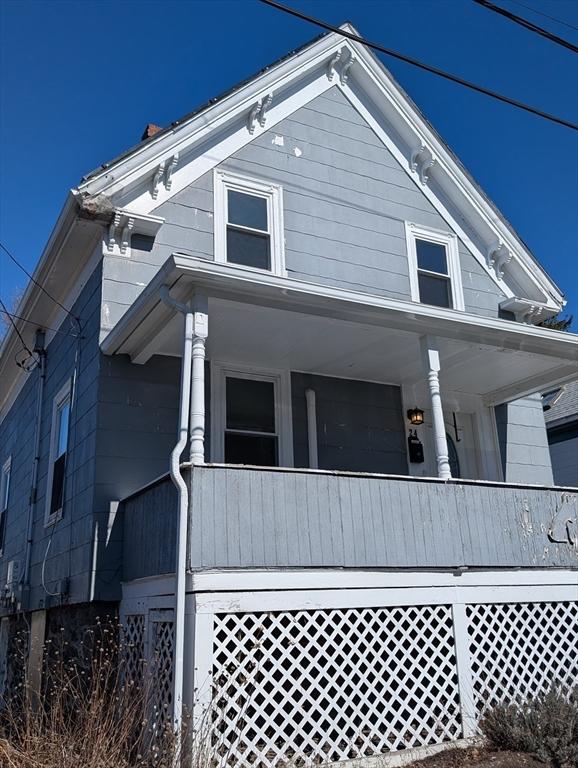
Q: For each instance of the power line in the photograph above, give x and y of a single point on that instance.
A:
(422, 65)
(527, 24)
(34, 322)
(545, 15)
(25, 347)
(42, 288)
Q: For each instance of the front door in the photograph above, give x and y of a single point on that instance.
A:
(462, 446)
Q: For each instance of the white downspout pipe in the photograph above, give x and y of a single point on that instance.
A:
(183, 510)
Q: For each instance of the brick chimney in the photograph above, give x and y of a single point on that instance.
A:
(150, 130)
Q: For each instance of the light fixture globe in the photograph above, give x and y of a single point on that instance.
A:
(415, 416)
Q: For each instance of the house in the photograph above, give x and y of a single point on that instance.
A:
(283, 419)
(561, 413)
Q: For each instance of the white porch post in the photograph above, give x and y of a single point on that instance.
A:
(431, 361)
(197, 415)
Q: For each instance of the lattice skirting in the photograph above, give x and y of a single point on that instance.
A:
(358, 677)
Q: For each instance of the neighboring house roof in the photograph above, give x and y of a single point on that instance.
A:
(564, 408)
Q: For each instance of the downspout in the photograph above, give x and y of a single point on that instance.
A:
(39, 348)
(183, 509)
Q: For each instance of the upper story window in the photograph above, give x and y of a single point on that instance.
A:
(4, 497)
(248, 223)
(58, 453)
(434, 267)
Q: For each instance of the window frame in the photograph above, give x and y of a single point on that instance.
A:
(449, 240)
(273, 194)
(5, 480)
(283, 419)
(63, 394)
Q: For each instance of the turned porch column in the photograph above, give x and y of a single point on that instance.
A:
(431, 362)
(197, 413)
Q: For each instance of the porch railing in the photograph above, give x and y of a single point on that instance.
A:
(246, 517)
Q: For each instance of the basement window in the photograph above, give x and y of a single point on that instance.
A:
(4, 497)
(434, 267)
(248, 223)
(58, 454)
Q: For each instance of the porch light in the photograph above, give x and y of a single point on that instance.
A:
(415, 416)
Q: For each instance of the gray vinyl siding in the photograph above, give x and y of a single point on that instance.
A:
(65, 548)
(359, 424)
(524, 442)
(299, 519)
(345, 201)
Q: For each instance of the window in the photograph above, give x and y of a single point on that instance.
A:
(250, 426)
(4, 498)
(435, 277)
(248, 223)
(58, 454)
(251, 416)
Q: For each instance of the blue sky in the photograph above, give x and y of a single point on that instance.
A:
(81, 79)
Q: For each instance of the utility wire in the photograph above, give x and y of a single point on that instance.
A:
(34, 322)
(42, 288)
(545, 15)
(527, 24)
(421, 65)
(25, 347)
(14, 326)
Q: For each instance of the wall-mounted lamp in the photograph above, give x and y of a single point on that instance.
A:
(415, 416)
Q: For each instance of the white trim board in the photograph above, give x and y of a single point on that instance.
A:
(311, 600)
(252, 580)
(257, 581)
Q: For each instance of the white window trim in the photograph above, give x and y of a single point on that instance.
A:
(62, 394)
(6, 473)
(273, 193)
(415, 232)
(283, 418)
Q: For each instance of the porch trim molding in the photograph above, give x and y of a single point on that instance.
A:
(185, 274)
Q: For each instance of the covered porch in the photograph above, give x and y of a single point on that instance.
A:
(283, 373)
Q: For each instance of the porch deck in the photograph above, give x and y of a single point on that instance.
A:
(253, 517)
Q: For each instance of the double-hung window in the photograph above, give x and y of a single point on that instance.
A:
(251, 422)
(251, 416)
(4, 498)
(58, 453)
(248, 223)
(435, 277)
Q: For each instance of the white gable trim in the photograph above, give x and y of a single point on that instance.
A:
(275, 95)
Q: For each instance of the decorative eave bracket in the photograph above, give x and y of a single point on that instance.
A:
(527, 311)
(334, 68)
(123, 225)
(499, 256)
(421, 162)
(164, 175)
(258, 113)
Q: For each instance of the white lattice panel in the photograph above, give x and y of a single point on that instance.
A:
(134, 648)
(326, 685)
(520, 649)
(162, 670)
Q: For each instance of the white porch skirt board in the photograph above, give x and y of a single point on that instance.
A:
(288, 669)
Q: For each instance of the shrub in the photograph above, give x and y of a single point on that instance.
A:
(545, 726)
(89, 714)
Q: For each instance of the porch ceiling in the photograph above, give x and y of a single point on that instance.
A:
(274, 322)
